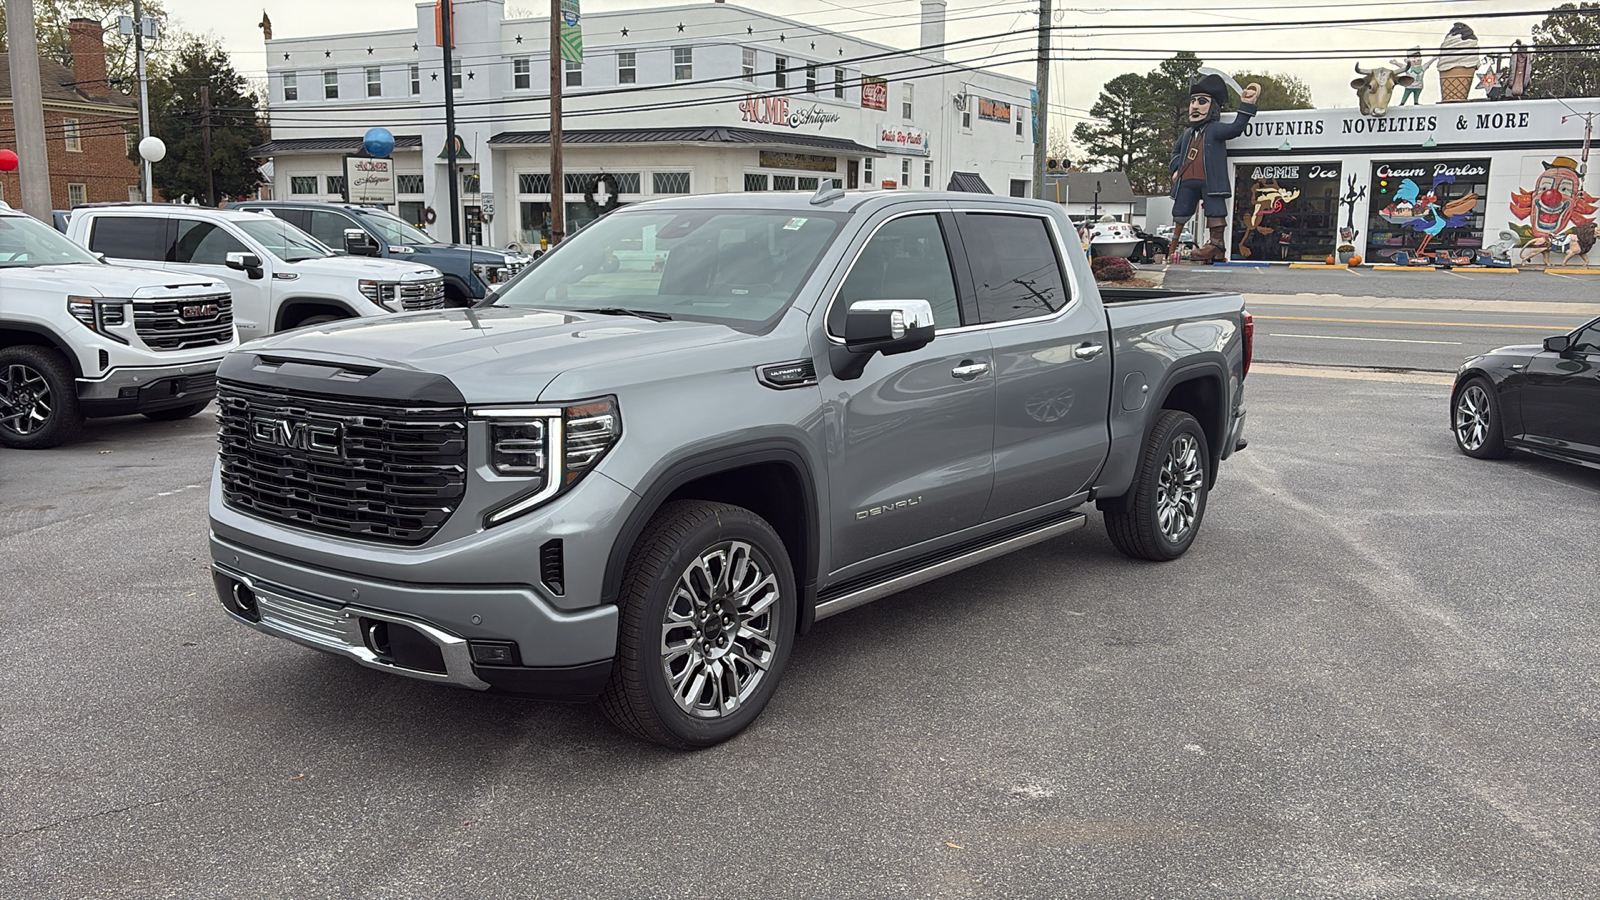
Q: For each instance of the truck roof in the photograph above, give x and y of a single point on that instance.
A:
(850, 201)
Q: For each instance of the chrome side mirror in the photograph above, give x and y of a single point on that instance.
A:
(881, 326)
(248, 263)
(359, 243)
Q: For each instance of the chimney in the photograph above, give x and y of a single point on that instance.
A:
(89, 57)
(933, 25)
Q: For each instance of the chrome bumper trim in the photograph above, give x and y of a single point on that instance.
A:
(336, 628)
(109, 385)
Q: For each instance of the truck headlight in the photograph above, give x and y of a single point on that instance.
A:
(99, 314)
(491, 272)
(379, 292)
(549, 448)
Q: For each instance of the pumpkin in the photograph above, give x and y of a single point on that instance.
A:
(1329, 260)
(1355, 261)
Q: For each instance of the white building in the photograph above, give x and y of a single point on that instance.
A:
(699, 98)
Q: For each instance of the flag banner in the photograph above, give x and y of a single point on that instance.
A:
(571, 32)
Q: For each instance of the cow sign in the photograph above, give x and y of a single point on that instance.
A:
(1375, 88)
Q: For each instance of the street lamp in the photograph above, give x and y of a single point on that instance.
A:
(152, 150)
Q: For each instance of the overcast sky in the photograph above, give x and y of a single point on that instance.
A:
(1076, 81)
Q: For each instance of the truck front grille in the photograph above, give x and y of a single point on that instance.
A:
(411, 295)
(182, 323)
(390, 473)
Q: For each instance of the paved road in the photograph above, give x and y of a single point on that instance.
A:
(1525, 285)
(1374, 676)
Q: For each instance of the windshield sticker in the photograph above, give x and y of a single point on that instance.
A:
(795, 225)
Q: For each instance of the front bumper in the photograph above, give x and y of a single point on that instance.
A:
(136, 389)
(427, 632)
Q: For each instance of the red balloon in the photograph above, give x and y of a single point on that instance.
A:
(8, 161)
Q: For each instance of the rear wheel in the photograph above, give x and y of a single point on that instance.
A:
(38, 400)
(1475, 417)
(1161, 514)
(177, 413)
(707, 623)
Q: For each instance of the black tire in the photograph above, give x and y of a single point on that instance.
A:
(38, 399)
(177, 413)
(639, 698)
(1167, 481)
(1475, 420)
(318, 320)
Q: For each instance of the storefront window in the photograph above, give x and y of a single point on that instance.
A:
(1427, 209)
(1285, 213)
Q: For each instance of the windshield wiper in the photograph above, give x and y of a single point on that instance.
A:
(652, 315)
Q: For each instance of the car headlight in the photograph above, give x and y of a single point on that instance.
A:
(99, 314)
(549, 448)
(379, 292)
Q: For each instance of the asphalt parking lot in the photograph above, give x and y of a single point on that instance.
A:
(1373, 676)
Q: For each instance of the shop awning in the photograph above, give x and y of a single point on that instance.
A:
(968, 182)
(742, 136)
(328, 145)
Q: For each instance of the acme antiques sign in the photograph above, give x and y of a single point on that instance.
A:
(777, 111)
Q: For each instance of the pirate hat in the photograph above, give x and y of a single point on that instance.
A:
(1562, 162)
(1213, 86)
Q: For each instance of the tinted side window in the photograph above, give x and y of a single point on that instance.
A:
(130, 237)
(205, 244)
(905, 260)
(1015, 266)
(328, 227)
(1587, 340)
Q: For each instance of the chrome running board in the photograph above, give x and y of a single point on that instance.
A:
(864, 595)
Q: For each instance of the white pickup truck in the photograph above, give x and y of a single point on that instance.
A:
(280, 276)
(80, 338)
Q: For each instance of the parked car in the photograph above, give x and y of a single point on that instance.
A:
(280, 276)
(469, 272)
(638, 474)
(1543, 399)
(82, 339)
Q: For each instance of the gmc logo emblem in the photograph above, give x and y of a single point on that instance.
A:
(202, 311)
(298, 434)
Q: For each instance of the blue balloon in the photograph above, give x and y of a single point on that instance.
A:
(379, 142)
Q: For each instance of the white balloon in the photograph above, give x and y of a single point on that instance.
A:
(152, 149)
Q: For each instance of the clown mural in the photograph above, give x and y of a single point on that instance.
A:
(1199, 165)
(1558, 214)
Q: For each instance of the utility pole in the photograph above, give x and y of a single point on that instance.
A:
(558, 199)
(1588, 134)
(1041, 136)
(144, 98)
(446, 13)
(205, 144)
(27, 107)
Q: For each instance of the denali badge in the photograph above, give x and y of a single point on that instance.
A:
(298, 434)
(893, 506)
(201, 311)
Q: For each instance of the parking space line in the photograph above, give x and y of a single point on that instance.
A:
(1403, 322)
(1335, 337)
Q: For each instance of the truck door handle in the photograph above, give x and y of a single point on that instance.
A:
(1088, 351)
(969, 370)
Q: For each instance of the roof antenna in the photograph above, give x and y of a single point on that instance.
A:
(828, 190)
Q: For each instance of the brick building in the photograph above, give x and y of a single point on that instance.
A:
(89, 126)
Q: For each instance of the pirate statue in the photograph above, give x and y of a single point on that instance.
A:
(1200, 162)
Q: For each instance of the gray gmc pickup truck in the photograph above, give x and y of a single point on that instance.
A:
(662, 452)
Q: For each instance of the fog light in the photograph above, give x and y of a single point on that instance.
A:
(495, 653)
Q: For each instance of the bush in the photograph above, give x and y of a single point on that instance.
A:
(1111, 268)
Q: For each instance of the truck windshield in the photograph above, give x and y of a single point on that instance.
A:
(285, 241)
(738, 267)
(26, 241)
(394, 230)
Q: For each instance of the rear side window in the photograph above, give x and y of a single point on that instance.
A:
(131, 237)
(1015, 266)
(204, 244)
(905, 260)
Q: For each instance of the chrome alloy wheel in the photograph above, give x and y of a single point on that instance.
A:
(717, 640)
(1472, 417)
(25, 399)
(1178, 488)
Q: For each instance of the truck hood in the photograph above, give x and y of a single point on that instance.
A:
(362, 267)
(421, 252)
(110, 281)
(492, 355)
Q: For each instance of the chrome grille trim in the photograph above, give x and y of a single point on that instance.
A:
(162, 325)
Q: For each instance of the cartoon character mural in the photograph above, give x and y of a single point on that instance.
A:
(1555, 213)
(1268, 197)
(1439, 224)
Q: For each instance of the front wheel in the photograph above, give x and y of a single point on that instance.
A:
(707, 621)
(38, 399)
(1161, 514)
(1475, 417)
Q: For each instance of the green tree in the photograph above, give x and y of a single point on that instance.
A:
(1169, 98)
(177, 116)
(55, 42)
(1559, 72)
(1278, 91)
(1122, 137)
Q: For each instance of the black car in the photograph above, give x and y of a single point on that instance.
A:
(1542, 399)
